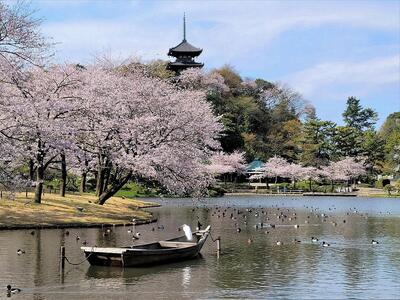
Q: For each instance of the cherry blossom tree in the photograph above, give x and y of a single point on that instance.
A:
(222, 163)
(35, 110)
(276, 167)
(11, 178)
(344, 170)
(20, 37)
(295, 172)
(139, 126)
(194, 78)
(311, 174)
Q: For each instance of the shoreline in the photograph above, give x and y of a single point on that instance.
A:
(72, 211)
(4, 227)
(312, 195)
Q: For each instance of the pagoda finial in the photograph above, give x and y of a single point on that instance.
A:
(184, 27)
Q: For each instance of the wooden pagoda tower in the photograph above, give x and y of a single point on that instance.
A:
(184, 54)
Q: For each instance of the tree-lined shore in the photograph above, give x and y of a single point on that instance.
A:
(100, 126)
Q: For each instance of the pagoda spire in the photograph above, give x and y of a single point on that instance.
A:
(184, 27)
(184, 54)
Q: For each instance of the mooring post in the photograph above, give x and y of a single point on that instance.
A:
(62, 256)
(133, 226)
(218, 246)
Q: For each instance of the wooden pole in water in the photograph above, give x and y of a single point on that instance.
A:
(218, 246)
(62, 256)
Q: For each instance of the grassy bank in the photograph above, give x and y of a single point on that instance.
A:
(72, 209)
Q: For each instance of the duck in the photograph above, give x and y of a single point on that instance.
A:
(11, 290)
(314, 239)
(78, 238)
(279, 243)
(296, 226)
(249, 241)
(136, 236)
(238, 230)
(374, 242)
(324, 244)
(20, 251)
(32, 233)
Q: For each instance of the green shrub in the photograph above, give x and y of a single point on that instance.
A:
(389, 189)
(397, 186)
(379, 184)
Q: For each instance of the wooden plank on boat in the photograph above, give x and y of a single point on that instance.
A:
(176, 244)
(104, 250)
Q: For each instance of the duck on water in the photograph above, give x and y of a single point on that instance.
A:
(11, 290)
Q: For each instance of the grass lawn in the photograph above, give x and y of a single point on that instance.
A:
(55, 210)
(132, 190)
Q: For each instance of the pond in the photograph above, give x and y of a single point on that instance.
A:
(251, 264)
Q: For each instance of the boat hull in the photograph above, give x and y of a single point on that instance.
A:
(150, 254)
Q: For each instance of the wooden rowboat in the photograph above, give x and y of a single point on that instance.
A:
(179, 248)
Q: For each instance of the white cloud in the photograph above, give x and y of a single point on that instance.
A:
(237, 29)
(364, 75)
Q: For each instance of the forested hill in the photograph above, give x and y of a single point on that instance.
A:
(265, 119)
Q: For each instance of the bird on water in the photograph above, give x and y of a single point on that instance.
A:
(11, 290)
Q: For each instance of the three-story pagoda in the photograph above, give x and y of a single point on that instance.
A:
(184, 54)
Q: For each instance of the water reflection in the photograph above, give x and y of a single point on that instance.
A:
(350, 268)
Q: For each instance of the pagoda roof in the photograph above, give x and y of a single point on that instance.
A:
(177, 65)
(184, 47)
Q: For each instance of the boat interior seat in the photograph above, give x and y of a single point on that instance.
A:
(167, 244)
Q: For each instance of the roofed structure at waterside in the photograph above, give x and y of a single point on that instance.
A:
(184, 54)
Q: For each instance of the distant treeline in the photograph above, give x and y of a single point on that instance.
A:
(266, 119)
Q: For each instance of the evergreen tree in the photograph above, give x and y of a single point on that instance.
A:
(357, 117)
(317, 142)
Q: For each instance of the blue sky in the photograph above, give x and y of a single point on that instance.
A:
(326, 50)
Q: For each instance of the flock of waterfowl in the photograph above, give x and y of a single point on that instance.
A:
(275, 217)
(267, 219)
(263, 218)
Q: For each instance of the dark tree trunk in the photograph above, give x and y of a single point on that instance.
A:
(39, 184)
(63, 183)
(31, 170)
(82, 188)
(114, 188)
(310, 185)
(100, 181)
(106, 179)
(332, 186)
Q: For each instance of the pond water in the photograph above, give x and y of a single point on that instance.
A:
(251, 265)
